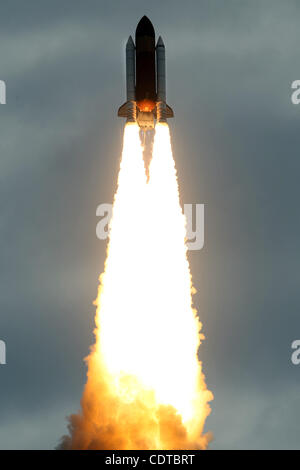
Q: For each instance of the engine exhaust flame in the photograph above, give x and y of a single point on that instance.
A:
(145, 388)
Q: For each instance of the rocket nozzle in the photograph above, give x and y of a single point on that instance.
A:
(161, 111)
(131, 111)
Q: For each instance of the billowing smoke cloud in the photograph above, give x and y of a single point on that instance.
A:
(106, 422)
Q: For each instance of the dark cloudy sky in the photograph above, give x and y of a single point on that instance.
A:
(236, 141)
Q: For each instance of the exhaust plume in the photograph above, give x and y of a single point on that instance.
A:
(145, 387)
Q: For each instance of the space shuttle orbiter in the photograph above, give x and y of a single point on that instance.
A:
(145, 78)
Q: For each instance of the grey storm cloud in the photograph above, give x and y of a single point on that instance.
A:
(236, 140)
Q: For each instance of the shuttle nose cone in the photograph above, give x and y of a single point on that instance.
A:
(145, 28)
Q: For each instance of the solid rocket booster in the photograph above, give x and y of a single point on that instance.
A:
(130, 69)
(145, 78)
(161, 70)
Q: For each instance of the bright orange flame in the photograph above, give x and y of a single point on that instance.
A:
(145, 387)
(146, 105)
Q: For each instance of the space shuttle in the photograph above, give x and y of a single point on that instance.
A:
(145, 79)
